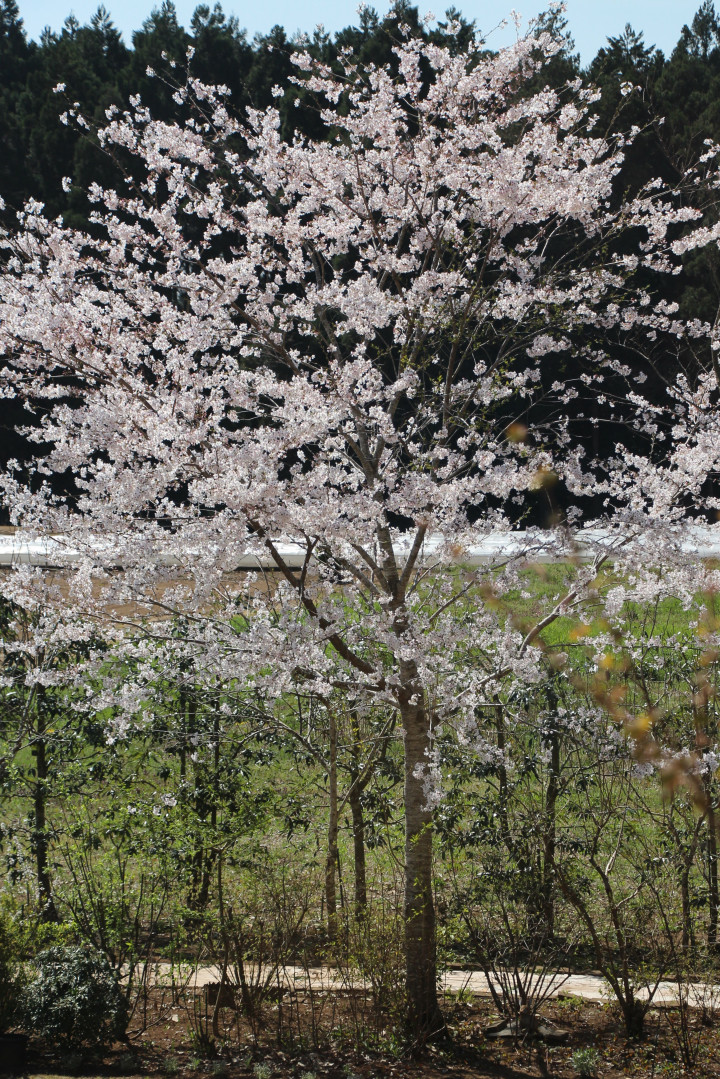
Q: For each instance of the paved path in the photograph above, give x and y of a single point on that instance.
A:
(591, 987)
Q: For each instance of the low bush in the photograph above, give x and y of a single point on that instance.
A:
(74, 1000)
(12, 976)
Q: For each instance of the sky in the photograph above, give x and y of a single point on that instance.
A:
(591, 21)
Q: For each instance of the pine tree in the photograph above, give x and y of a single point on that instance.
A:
(15, 56)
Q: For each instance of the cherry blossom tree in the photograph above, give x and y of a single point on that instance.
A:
(367, 345)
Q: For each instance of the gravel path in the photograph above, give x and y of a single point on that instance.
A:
(591, 987)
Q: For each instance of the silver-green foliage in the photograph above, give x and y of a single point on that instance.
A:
(74, 1000)
(586, 1062)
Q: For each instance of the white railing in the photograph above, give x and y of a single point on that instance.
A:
(699, 541)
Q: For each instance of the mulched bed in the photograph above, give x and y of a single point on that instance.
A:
(168, 1047)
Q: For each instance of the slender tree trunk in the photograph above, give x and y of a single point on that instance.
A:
(358, 819)
(207, 858)
(331, 860)
(688, 861)
(40, 837)
(183, 736)
(209, 855)
(550, 830)
(686, 913)
(703, 739)
(712, 857)
(502, 772)
(358, 827)
(425, 1019)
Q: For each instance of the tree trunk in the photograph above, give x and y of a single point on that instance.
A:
(211, 853)
(331, 860)
(686, 911)
(550, 830)
(502, 773)
(712, 857)
(688, 862)
(425, 1019)
(634, 1017)
(40, 837)
(358, 827)
(358, 817)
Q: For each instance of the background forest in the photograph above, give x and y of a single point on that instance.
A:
(678, 104)
(263, 833)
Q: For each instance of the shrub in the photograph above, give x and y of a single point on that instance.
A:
(12, 978)
(74, 1000)
(10, 988)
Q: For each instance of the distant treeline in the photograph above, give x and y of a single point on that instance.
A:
(99, 69)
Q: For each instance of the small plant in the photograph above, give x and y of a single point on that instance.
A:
(220, 1069)
(569, 1003)
(74, 1000)
(170, 1066)
(586, 1062)
(262, 1071)
(464, 995)
(308, 1075)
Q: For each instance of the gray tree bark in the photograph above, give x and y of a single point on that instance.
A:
(425, 1020)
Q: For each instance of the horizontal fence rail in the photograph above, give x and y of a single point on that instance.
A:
(698, 541)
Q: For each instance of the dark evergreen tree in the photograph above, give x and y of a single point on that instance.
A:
(374, 39)
(626, 71)
(160, 42)
(565, 65)
(272, 68)
(702, 36)
(624, 55)
(456, 33)
(687, 96)
(15, 59)
(687, 93)
(88, 61)
(363, 40)
(222, 53)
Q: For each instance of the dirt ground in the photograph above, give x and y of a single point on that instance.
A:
(169, 1046)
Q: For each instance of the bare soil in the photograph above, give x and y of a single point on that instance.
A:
(169, 1046)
